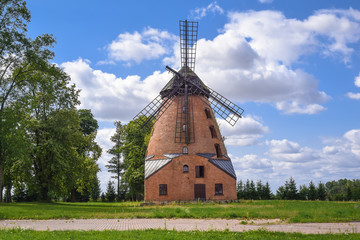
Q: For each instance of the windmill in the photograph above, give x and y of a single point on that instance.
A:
(186, 137)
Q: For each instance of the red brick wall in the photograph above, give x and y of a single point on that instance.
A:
(180, 186)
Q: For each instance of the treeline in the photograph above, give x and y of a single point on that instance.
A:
(341, 190)
(47, 146)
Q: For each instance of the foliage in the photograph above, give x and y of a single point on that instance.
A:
(134, 144)
(250, 191)
(116, 166)
(19, 56)
(95, 190)
(343, 189)
(110, 191)
(46, 146)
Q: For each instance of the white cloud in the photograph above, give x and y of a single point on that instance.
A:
(289, 151)
(112, 98)
(247, 131)
(339, 158)
(213, 8)
(149, 44)
(276, 37)
(357, 84)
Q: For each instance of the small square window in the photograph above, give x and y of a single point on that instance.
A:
(185, 168)
(218, 189)
(163, 189)
(185, 150)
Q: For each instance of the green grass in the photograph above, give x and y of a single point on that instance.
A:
(165, 234)
(291, 211)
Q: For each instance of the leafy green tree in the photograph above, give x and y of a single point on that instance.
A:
(252, 190)
(135, 143)
(95, 191)
(110, 191)
(89, 151)
(54, 132)
(240, 190)
(321, 191)
(20, 193)
(19, 56)
(303, 192)
(290, 189)
(116, 166)
(266, 191)
(103, 197)
(280, 193)
(312, 191)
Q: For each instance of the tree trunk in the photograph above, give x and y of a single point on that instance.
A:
(8, 194)
(44, 193)
(1, 183)
(73, 195)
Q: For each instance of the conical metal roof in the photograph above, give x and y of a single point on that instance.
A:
(176, 81)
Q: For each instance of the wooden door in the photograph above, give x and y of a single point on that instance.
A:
(199, 192)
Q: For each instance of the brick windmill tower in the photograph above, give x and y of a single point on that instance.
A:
(186, 157)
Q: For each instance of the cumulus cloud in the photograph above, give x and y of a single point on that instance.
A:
(213, 8)
(289, 151)
(276, 37)
(254, 54)
(338, 158)
(113, 98)
(247, 131)
(357, 84)
(149, 44)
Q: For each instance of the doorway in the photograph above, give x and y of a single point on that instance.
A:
(199, 192)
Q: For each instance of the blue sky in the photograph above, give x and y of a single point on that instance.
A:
(292, 65)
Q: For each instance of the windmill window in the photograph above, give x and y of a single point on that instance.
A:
(184, 127)
(162, 189)
(218, 189)
(218, 150)
(213, 132)
(185, 150)
(199, 170)
(207, 112)
(185, 168)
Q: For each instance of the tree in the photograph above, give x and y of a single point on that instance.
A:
(259, 190)
(95, 190)
(280, 193)
(115, 165)
(240, 190)
(290, 189)
(19, 56)
(321, 191)
(135, 143)
(303, 192)
(266, 191)
(110, 191)
(312, 191)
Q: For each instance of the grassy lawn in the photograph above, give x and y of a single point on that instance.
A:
(291, 211)
(164, 234)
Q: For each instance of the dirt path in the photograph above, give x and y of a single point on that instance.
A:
(181, 225)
